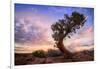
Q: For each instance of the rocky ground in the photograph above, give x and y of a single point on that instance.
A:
(25, 59)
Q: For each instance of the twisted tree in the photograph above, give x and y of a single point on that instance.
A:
(65, 28)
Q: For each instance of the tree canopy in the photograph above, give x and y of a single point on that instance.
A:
(68, 25)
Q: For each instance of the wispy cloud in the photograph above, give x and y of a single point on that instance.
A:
(81, 41)
(33, 26)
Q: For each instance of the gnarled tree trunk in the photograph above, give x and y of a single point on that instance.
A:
(62, 48)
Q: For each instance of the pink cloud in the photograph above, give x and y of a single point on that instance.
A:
(40, 24)
(84, 37)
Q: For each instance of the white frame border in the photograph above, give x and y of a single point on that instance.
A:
(69, 3)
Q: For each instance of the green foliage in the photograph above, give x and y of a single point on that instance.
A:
(67, 26)
(39, 53)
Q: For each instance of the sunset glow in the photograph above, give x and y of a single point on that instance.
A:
(33, 28)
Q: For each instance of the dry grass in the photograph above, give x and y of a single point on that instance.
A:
(53, 56)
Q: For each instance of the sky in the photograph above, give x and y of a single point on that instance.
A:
(33, 27)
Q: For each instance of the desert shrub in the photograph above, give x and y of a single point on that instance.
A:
(39, 53)
(53, 53)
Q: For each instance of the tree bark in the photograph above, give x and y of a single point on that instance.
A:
(62, 48)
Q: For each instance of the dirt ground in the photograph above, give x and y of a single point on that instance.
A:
(28, 58)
